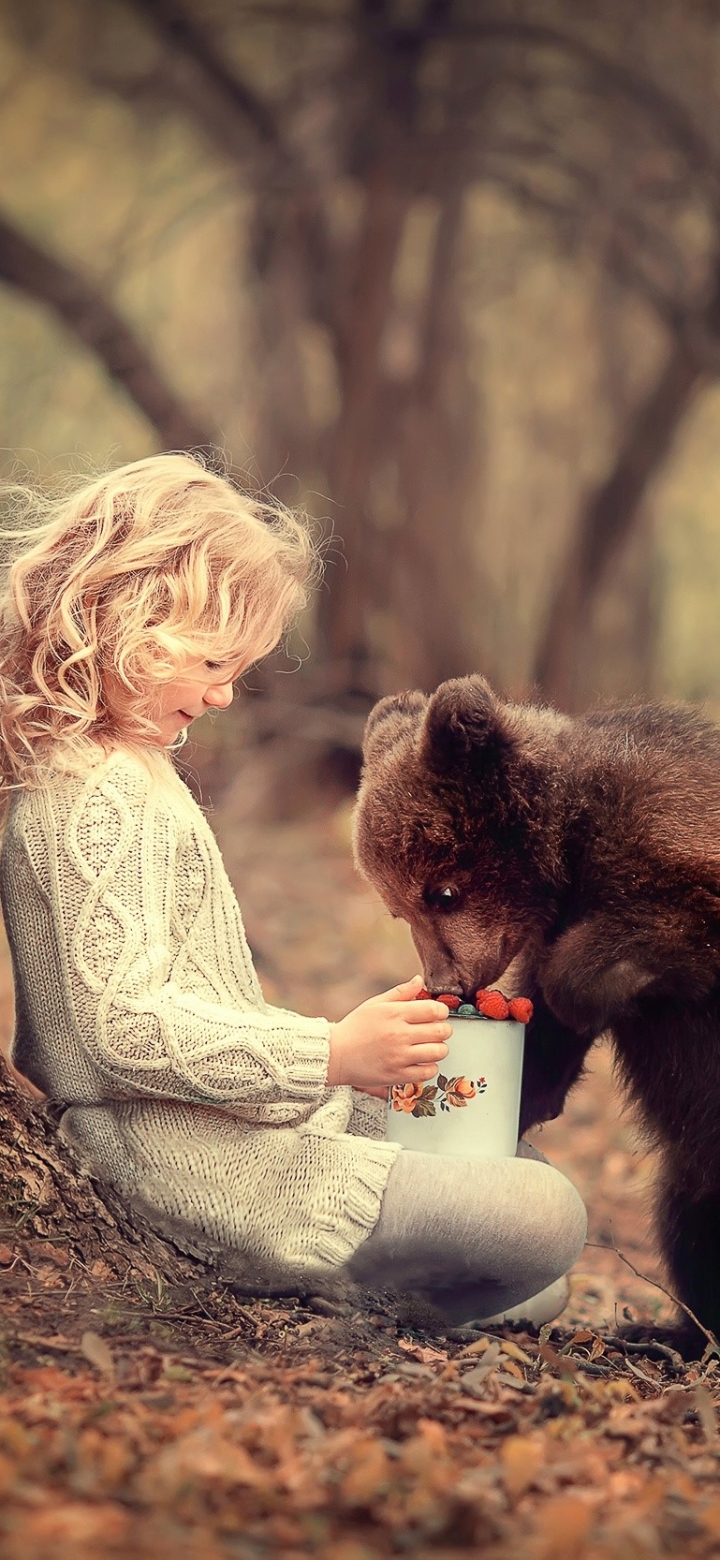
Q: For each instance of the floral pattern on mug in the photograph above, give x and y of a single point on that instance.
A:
(456, 1092)
(417, 1099)
(405, 1097)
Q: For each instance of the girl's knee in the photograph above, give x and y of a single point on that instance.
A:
(569, 1225)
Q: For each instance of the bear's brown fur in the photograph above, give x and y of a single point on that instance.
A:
(586, 853)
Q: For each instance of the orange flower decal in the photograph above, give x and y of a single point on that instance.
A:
(416, 1099)
(405, 1096)
(457, 1091)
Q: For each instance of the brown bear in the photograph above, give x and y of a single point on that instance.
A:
(586, 852)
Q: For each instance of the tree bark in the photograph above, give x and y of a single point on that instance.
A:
(343, 611)
(390, 62)
(434, 558)
(606, 524)
(80, 305)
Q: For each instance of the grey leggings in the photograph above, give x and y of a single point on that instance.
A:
(472, 1236)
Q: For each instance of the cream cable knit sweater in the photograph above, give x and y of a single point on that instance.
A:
(137, 1006)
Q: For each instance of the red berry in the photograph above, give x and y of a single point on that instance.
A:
(492, 1004)
(423, 996)
(521, 1009)
(449, 1000)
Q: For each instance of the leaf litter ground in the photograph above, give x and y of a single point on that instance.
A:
(139, 1424)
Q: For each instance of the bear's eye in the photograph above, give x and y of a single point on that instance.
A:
(445, 898)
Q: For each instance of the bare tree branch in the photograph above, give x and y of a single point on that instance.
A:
(638, 251)
(607, 520)
(182, 33)
(81, 306)
(289, 200)
(664, 108)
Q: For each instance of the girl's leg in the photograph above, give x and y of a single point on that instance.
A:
(474, 1237)
(549, 1303)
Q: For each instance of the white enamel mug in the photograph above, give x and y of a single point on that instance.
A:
(471, 1110)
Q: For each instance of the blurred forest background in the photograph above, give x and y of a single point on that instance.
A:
(447, 274)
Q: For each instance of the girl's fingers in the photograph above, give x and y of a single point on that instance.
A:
(422, 1054)
(403, 992)
(429, 1034)
(423, 1012)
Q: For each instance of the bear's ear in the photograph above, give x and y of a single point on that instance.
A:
(391, 718)
(464, 724)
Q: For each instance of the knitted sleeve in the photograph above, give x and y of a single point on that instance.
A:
(162, 988)
(369, 1115)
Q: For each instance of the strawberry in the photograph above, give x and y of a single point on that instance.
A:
(449, 1000)
(492, 1004)
(521, 1009)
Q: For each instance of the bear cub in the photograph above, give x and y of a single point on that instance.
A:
(586, 853)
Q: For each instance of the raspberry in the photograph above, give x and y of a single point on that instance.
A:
(492, 1004)
(423, 995)
(449, 1000)
(521, 1009)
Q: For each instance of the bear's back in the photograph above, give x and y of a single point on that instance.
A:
(661, 765)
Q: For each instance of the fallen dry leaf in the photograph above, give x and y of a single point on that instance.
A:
(563, 1525)
(706, 1412)
(97, 1352)
(522, 1456)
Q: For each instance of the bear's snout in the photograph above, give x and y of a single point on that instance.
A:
(462, 970)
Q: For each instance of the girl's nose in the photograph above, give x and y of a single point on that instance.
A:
(219, 696)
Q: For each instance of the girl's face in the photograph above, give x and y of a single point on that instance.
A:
(198, 686)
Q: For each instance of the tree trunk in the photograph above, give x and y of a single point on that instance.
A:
(353, 593)
(80, 305)
(434, 559)
(606, 524)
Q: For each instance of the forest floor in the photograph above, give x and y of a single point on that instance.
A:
(133, 1425)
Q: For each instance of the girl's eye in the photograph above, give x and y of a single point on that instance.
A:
(445, 898)
(215, 666)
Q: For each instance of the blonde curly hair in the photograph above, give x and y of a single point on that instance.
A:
(120, 579)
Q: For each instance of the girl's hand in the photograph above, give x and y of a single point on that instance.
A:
(389, 1039)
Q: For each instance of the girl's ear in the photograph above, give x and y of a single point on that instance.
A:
(393, 717)
(465, 727)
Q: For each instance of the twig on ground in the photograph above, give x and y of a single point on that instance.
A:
(712, 1340)
(52, 1345)
(468, 1334)
(653, 1346)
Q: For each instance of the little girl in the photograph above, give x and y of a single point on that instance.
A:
(249, 1135)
